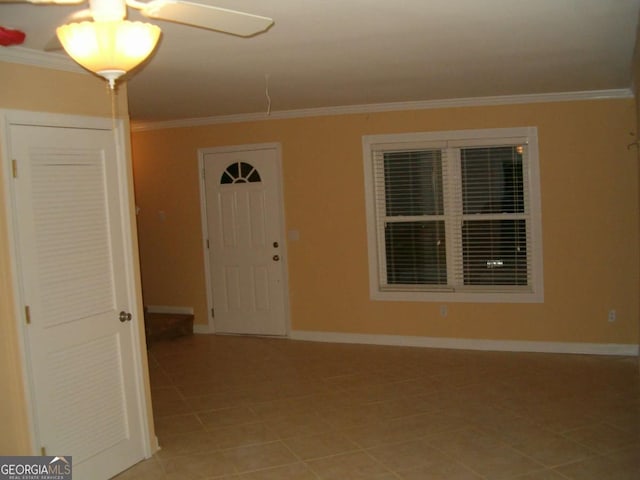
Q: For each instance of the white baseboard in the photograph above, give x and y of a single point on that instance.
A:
(200, 329)
(169, 309)
(469, 344)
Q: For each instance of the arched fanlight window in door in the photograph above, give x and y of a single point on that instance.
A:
(240, 172)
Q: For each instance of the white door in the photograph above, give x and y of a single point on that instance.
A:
(246, 248)
(72, 242)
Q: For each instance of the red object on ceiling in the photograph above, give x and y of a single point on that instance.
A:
(11, 37)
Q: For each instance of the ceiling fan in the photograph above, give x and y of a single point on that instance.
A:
(100, 45)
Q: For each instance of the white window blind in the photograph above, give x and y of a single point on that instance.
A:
(412, 222)
(453, 216)
(494, 218)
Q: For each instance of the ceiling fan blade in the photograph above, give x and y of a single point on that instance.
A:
(39, 2)
(205, 16)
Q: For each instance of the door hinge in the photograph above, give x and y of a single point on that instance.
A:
(43, 451)
(14, 168)
(27, 314)
(204, 176)
(207, 244)
(212, 313)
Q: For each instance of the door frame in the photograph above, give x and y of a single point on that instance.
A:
(119, 128)
(202, 152)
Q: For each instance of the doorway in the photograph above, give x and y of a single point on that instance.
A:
(243, 224)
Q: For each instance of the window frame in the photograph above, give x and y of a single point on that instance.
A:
(454, 140)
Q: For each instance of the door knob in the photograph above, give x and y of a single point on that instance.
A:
(124, 316)
(276, 258)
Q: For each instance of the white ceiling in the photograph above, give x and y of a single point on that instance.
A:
(324, 53)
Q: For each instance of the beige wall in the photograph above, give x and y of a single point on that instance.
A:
(13, 415)
(589, 206)
(43, 90)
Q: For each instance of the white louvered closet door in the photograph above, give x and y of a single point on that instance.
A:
(74, 281)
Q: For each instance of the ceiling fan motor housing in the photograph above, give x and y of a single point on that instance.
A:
(108, 10)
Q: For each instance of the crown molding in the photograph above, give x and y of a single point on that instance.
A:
(39, 58)
(57, 61)
(621, 93)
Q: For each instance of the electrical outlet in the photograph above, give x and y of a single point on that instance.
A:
(612, 317)
(444, 311)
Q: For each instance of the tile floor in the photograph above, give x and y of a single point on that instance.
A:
(256, 409)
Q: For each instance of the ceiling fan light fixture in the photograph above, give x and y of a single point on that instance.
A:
(109, 49)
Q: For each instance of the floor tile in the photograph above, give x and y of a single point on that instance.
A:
(440, 468)
(177, 424)
(498, 463)
(546, 474)
(405, 456)
(350, 466)
(603, 438)
(296, 471)
(552, 450)
(168, 401)
(623, 465)
(298, 424)
(227, 416)
(216, 401)
(321, 445)
(242, 435)
(255, 457)
(198, 466)
(146, 470)
(186, 444)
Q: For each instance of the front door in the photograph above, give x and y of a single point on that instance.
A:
(246, 245)
(72, 241)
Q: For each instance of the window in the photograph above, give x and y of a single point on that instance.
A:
(240, 172)
(454, 216)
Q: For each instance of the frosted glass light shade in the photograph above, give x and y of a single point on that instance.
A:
(109, 49)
